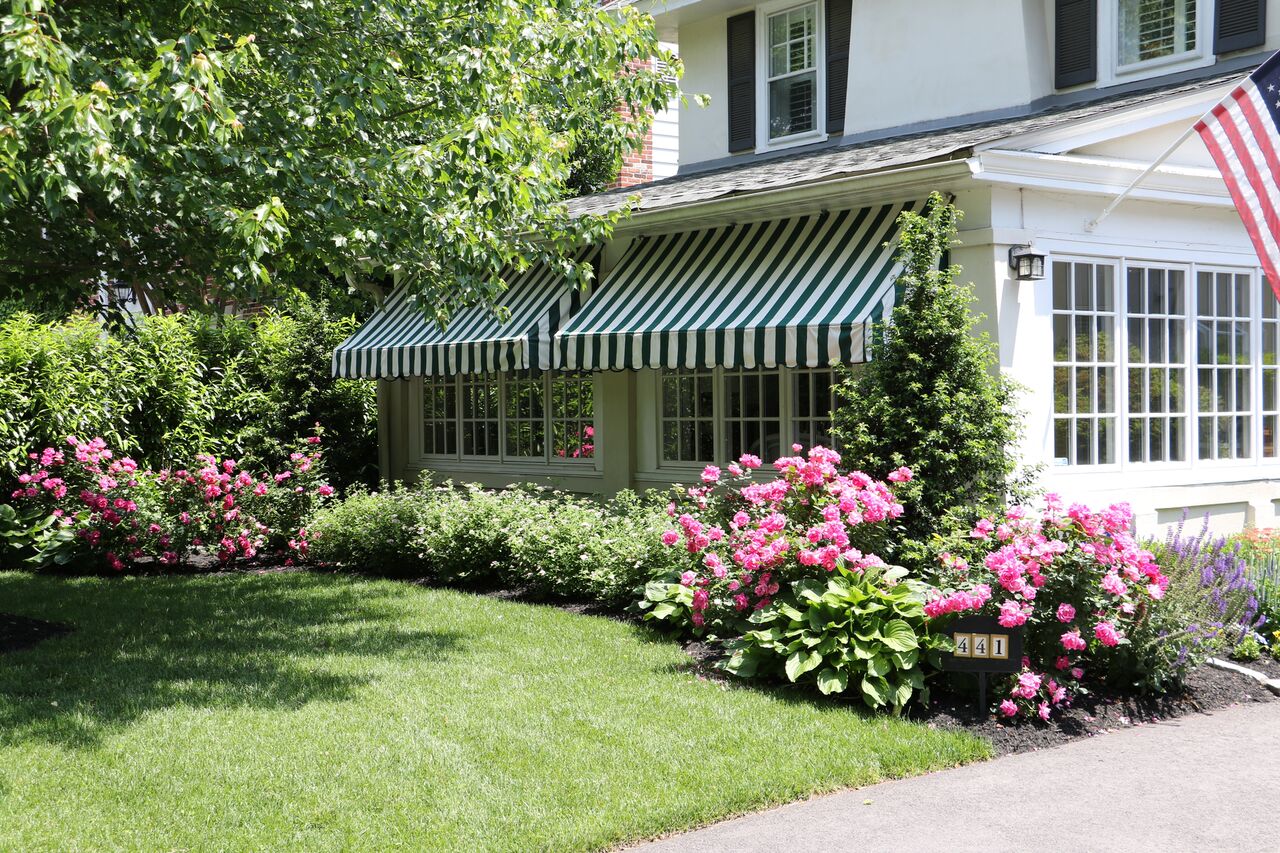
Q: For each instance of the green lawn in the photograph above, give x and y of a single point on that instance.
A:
(325, 711)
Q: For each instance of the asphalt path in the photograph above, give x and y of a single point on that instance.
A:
(1204, 782)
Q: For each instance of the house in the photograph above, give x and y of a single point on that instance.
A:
(1147, 347)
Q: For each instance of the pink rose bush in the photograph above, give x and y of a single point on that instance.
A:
(782, 567)
(1073, 579)
(94, 508)
(746, 538)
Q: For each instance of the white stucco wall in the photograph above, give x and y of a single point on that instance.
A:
(1232, 493)
(924, 61)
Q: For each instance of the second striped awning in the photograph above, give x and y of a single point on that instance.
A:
(795, 292)
(399, 341)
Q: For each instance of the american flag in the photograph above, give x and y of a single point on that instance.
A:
(1242, 134)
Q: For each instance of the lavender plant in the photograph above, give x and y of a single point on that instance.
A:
(1211, 605)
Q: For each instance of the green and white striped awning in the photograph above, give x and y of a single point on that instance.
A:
(399, 341)
(791, 292)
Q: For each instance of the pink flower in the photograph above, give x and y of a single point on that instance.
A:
(1111, 583)
(1013, 614)
(670, 537)
(315, 439)
(1066, 612)
(902, 475)
(982, 529)
(1106, 634)
(1028, 685)
(688, 578)
(711, 474)
(1008, 708)
(325, 490)
(749, 461)
(1062, 662)
(1077, 673)
(1043, 711)
(1073, 642)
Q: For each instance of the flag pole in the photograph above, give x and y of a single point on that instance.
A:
(1115, 202)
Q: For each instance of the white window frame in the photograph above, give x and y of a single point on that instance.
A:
(1192, 464)
(819, 133)
(1110, 70)
(786, 415)
(548, 459)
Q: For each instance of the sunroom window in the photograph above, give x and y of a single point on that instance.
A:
(1156, 29)
(1084, 363)
(792, 81)
(757, 411)
(519, 417)
(1186, 383)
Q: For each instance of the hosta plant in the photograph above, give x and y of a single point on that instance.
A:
(861, 631)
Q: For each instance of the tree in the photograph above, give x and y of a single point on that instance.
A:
(213, 149)
(932, 396)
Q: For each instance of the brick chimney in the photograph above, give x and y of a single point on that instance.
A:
(637, 166)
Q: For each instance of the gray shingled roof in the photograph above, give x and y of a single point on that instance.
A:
(835, 162)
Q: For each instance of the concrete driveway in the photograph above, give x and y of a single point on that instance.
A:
(1199, 783)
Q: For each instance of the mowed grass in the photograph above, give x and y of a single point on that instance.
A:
(321, 711)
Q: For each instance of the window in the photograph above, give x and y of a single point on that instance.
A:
(1224, 363)
(812, 399)
(439, 417)
(718, 415)
(573, 432)
(526, 425)
(510, 416)
(752, 414)
(1270, 376)
(688, 416)
(1157, 364)
(479, 421)
(1185, 368)
(791, 82)
(1084, 363)
(1155, 29)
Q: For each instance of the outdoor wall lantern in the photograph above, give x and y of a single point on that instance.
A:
(122, 293)
(1026, 263)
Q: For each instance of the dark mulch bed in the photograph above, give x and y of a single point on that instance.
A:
(19, 632)
(1094, 714)
(1207, 689)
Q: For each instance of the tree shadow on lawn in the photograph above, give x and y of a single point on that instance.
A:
(144, 644)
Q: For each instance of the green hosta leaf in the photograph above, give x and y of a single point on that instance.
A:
(663, 609)
(901, 694)
(832, 680)
(790, 612)
(899, 636)
(809, 590)
(742, 663)
(767, 637)
(878, 667)
(905, 660)
(894, 574)
(863, 650)
(875, 691)
(801, 662)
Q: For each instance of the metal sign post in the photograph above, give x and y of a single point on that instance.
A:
(983, 646)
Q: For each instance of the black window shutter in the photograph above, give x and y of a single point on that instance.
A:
(1239, 24)
(1075, 42)
(838, 14)
(742, 82)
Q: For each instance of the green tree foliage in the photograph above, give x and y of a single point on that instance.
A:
(177, 385)
(932, 396)
(204, 150)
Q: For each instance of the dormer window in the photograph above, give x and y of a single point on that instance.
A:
(1107, 42)
(1149, 30)
(792, 47)
(787, 75)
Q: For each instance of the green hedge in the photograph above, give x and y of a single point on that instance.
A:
(172, 386)
(546, 544)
